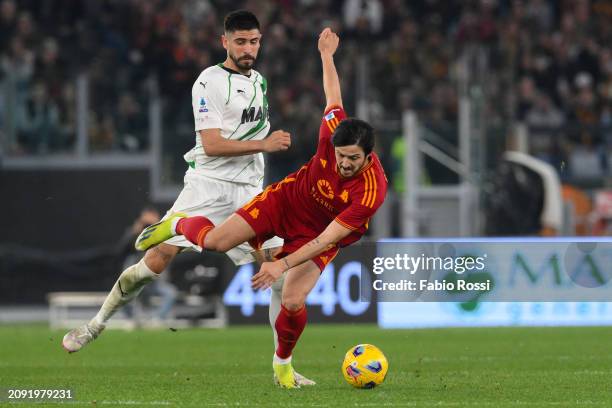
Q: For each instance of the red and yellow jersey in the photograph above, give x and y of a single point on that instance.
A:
(318, 194)
(303, 204)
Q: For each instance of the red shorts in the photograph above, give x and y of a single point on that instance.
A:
(268, 217)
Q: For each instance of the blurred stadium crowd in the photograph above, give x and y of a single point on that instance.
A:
(550, 65)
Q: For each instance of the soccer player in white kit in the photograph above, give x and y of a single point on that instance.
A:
(226, 169)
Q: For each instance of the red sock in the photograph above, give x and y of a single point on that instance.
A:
(194, 229)
(289, 325)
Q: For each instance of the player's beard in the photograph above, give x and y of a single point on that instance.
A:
(349, 172)
(243, 63)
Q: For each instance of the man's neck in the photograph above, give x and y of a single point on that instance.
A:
(229, 63)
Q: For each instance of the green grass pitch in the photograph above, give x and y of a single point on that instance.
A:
(497, 367)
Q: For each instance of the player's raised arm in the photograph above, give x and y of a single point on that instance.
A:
(328, 44)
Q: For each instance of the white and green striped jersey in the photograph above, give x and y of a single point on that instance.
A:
(237, 105)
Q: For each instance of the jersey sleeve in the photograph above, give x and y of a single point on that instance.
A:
(365, 201)
(207, 105)
(331, 119)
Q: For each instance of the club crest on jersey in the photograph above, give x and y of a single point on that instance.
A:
(202, 105)
(325, 189)
(249, 115)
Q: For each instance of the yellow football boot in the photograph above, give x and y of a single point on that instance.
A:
(285, 375)
(157, 233)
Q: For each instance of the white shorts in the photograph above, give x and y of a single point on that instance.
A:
(216, 200)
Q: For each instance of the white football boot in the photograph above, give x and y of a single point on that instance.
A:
(75, 339)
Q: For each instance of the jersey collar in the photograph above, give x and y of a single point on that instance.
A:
(231, 71)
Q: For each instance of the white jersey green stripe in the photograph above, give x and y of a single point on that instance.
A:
(238, 106)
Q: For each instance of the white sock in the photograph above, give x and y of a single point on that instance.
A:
(277, 360)
(173, 225)
(127, 287)
(275, 308)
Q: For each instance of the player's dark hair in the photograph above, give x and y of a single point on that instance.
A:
(354, 132)
(240, 20)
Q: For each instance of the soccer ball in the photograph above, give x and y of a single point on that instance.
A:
(364, 366)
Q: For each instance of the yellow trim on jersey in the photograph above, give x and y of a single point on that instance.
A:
(368, 189)
(269, 189)
(365, 168)
(365, 192)
(335, 122)
(344, 224)
(374, 188)
(369, 195)
(326, 262)
(332, 123)
(369, 199)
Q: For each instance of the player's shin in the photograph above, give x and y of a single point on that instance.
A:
(194, 229)
(127, 287)
(289, 326)
(273, 312)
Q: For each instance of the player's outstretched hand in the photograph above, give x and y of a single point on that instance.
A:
(267, 275)
(328, 41)
(277, 141)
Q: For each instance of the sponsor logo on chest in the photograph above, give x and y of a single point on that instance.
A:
(324, 195)
(253, 114)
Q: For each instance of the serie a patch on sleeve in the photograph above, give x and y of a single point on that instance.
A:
(202, 105)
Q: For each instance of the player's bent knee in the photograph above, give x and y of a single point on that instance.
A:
(224, 245)
(293, 303)
(159, 257)
(214, 245)
(293, 307)
(218, 244)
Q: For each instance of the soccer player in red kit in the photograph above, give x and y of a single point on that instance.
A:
(322, 207)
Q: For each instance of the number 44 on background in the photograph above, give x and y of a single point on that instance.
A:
(326, 293)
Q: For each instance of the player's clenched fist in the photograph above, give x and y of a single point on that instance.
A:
(328, 41)
(277, 141)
